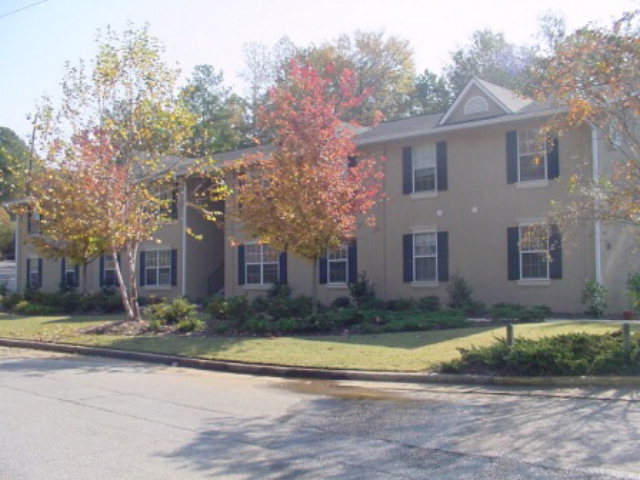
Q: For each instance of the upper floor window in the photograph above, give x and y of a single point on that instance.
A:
(532, 159)
(33, 223)
(532, 156)
(476, 104)
(424, 168)
(261, 264)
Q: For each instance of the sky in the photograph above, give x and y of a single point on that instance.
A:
(37, 37)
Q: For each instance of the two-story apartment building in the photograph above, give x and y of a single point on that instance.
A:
(467, 193)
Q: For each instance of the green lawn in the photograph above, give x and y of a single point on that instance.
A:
(411, 351)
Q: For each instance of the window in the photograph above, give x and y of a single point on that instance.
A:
(424, 168)
(532, 156)
(34, 266)
(337, 264)
(157, 268)
(167, 197)
(109, 278)
(425, 257)
(33, 223)
(534, 252)
(70, 274)
(261, 264)
(476, 104)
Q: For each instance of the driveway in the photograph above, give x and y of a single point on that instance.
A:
(72, 417)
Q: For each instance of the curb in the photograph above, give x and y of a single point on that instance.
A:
(326, 374)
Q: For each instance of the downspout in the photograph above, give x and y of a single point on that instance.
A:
(183, 281)
(597, 227)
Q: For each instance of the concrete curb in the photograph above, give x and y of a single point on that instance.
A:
(327, 374)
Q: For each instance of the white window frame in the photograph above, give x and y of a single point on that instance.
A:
(428, 153)
(521, 251)
(532, 133)
(343, 248)
(434, 256)
(475, 105)
(32, 262)
(157, 267)
(262, 263)
(109, 258)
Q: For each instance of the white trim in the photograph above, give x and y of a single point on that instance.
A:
(479, 105)
(597, 227)
(262, 264)
(337, 286)
(534, 282)
(424, 229)
(462, 94)
(183, 282)
(525, 222)
(425, 194)
(416, 284)
(413, 256)
(532, 184)
(157, 286)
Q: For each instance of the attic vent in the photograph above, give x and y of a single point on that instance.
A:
(475, 105)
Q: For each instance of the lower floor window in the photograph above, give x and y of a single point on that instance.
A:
(261, 264)
(33, 279)
(425, 256)
(337, 264)
(534, 252)
(109, 272)
(71, 275)
(157, 267)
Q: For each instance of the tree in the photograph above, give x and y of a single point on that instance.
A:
(306, 196)
(593, 77)
(106, 187)
(6, 233)
(14, 162)
(221, 116)
(430, 94)
(490, 57)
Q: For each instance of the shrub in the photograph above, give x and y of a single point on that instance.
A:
(155, 325)
(459, 292)
(475, 309)
(594, 297)
(24, 307)
(633, 290)
(170, 313)
(236, 309)
(363, 291)
(279, 290)
(567, 354)
(190, 324)
(10, 301)
(341, 302)
(401, 304)
(430, 303)
(506, 311)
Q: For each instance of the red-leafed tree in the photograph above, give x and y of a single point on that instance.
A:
(309, 194)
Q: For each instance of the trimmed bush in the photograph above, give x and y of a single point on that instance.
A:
(363, 291)
(341, 302)
(459, 292)
(24, 307)
(567, 354)
(190, 324)
(430, 303)
(174, 312)
(594, 297)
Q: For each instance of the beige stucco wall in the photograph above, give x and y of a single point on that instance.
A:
(476, 210)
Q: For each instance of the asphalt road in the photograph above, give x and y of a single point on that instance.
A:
(71, 417)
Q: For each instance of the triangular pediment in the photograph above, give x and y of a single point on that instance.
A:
(479, 100)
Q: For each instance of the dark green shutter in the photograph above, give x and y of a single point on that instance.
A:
(39, 272)
(142, 269)
(101, 277)
(63, 271)
(174, 202)
(443, 256)
(29, 215)
(407, 257)
(407, 173)
(28, 282)
(322, 264)
(241, 275)
(282, 268)
(512, 157)
(513, 253)
(441, 166)
(553, 161)
(77, 270)
(555, 252)
(352, 259)
(352, 161)
(174, 267)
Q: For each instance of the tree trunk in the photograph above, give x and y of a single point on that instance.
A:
(132, 252)
(314, 288)
(124, 294)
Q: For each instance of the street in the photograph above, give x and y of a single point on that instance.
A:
(73, 417)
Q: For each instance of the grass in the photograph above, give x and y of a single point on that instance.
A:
(408, 351)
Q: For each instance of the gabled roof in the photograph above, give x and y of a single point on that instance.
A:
(506, 100)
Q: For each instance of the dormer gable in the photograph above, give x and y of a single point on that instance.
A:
(479, 100)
